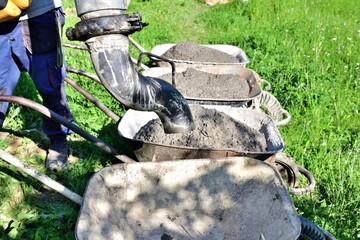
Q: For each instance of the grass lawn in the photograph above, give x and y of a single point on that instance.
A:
(309, 52)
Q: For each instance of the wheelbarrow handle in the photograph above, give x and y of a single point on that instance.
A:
(41, 177)
(173, 67)
(286, 162)
(286, 118)
(56, 117)
(137, 45)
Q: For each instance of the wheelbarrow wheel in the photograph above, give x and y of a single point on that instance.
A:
(310, 231)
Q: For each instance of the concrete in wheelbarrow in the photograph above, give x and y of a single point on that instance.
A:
(229, 198)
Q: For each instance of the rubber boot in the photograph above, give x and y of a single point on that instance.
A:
(57, 157)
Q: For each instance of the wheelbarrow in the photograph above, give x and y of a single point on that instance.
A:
(234, 51)
(250, 77)
(256, 98)
(159, 50)
(232, 198)
(133, 121)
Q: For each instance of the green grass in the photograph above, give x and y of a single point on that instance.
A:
(309, 52)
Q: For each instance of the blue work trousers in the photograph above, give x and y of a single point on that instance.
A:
(13, 59)
(39, 39)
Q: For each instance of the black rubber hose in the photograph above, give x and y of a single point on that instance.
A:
(111, 59)
(310, 231)
(328, 235)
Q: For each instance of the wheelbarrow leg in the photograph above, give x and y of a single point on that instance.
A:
(41, 177)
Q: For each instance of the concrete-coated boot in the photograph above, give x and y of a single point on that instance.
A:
(57, 157)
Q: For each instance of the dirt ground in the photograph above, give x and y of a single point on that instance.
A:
(24, 147)
(21, 147)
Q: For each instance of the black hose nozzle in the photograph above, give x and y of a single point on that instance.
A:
(112, 62)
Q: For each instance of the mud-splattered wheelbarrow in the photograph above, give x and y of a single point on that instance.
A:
(228, 198)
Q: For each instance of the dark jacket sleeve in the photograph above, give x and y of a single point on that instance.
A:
(3, 4)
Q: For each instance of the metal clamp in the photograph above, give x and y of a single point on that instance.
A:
(113, 24)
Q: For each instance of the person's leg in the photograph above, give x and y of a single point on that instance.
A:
(49, 81)
(48, 75)
(42, 41)
(13, 58)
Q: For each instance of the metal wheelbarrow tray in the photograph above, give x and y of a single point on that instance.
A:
(238, 53)
(251, 77)
(133, 121)
(230, 198)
